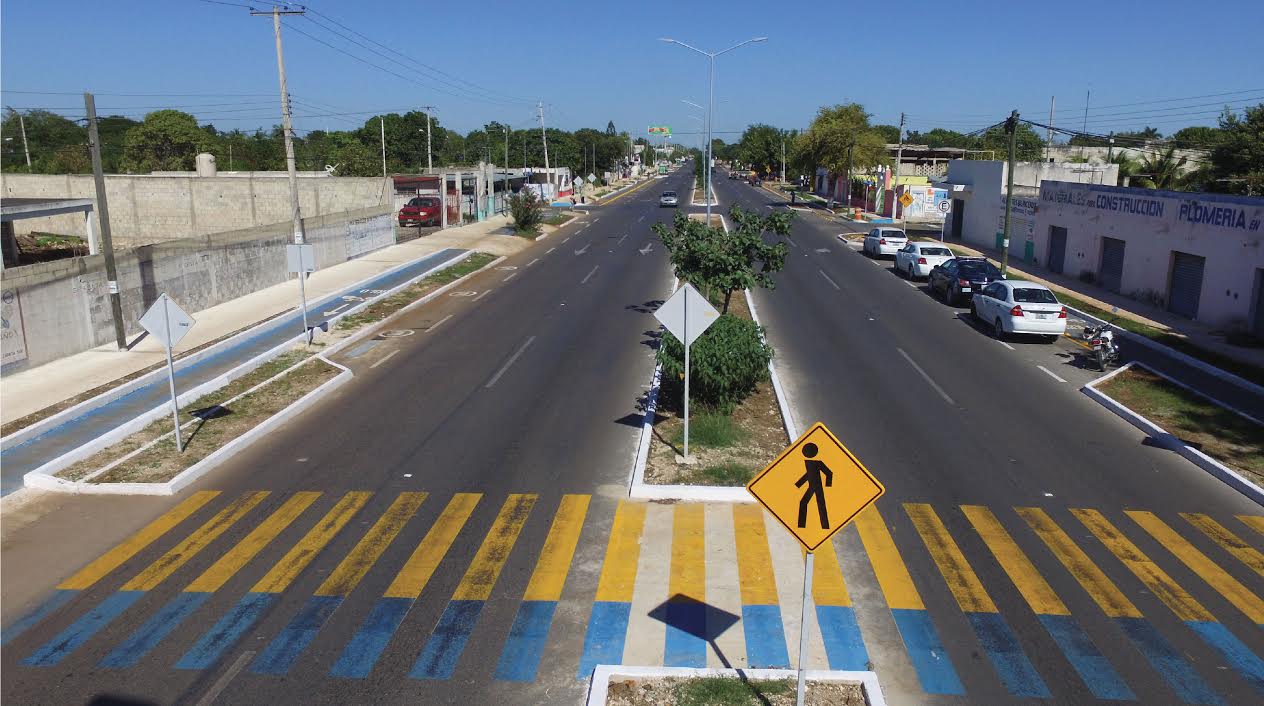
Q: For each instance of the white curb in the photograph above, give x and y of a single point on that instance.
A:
(639, 489)
(599, 688)
(1171, 442)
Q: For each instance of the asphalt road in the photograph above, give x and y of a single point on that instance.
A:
(448, 527)
(944, 414)
(525, 381)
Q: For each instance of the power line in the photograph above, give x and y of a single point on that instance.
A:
(137, 95)
(481, 89)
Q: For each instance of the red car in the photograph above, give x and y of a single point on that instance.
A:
(420, 210)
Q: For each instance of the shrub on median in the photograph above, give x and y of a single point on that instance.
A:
(726, 363)
(527, 210)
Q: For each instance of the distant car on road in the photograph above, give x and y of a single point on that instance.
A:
(961, 277)
(1020, 307)
(668, 199)
(884, 241)
(420, 210)
(917, 259)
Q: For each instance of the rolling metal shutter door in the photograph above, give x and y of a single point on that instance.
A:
(1112, 270)
(1057, 248)
(1187, 284)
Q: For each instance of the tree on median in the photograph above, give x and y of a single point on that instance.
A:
(719, 262)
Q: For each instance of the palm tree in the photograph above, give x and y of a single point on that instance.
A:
(1162, 170)
(1129, 168)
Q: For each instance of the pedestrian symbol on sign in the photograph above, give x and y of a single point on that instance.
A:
(812, 476)
(815, 487)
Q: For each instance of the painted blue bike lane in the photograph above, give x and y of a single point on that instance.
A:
(22, 458)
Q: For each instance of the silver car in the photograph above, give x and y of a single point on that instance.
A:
(668, 199)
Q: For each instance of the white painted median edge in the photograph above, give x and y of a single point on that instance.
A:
(599, 688)
(201, 468)
(1170, 441)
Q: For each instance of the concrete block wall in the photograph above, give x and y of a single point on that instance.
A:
(65, 307)
(148, 209)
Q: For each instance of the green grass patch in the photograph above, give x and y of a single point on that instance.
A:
(559, 219)
(710, 429)
(727, 691)
(728, 474)
(383, 308)
(1218, 432)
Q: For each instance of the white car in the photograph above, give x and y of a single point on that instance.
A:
(1015, 306)
(917, 259)
(668, 199)
(884, 241)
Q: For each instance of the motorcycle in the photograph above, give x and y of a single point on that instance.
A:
(1102, 340)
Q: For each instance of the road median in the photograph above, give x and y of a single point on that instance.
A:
(1210, 434)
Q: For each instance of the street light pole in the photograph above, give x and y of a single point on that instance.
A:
(711, 102)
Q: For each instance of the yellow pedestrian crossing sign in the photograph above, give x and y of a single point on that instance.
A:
(815, 487)
(906, 200)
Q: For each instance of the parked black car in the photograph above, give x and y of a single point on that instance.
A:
(961, 277)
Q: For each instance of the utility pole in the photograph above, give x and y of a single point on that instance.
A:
(899, 157)
(429, 157)
(1084, 128)
(1011, 128)
(783, 160)
(287, 126)
(382, 124)
(103, 218)
(1110, 147)
(1049, 133)
(847, 203)
(25, 147)
(544, 137)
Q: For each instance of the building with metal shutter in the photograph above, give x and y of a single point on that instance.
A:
(1200, 256)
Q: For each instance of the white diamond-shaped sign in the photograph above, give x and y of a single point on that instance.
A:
(687, 314)
(166, 321)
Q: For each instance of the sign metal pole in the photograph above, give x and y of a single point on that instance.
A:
(171, 376)
(302, 298)
(808, 565)
(686, 342)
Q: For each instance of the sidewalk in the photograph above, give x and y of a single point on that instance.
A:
(50, 384)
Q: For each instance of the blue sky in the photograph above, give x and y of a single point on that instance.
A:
(961, 65)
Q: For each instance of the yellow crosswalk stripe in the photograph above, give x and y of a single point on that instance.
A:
(755, 577)
(962, 582)
(1227, 540)
(623, 551)
(491, 556)
(130, 547)
(370, 547)
(1255, 522)
(228, 565)
(1177, 599)
(421, 565)
(1206, 569)
(688, 578)
(177, 556)
(828, 585)
(1033, 587)
(1101, 589)
(559, 550)
(301, 554)
(893, 576)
